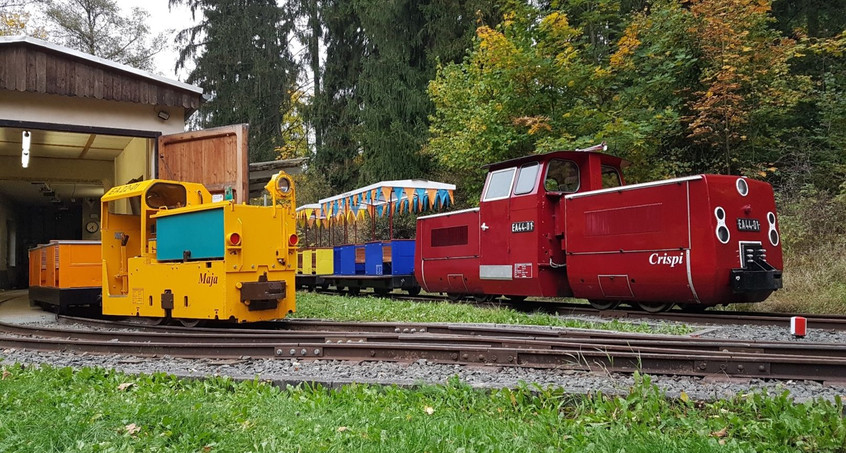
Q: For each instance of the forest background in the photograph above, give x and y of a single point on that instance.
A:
(373, 90)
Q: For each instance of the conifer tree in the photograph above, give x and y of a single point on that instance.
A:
(243, 63)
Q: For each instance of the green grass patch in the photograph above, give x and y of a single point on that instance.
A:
(814, 282)
(342, 308)
(94, 410)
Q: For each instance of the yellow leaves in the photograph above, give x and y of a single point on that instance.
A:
(534, 123)
(627, 45)
(124, 386)
(494, 48)
(342, 429)
(132, 429)
(557, 25)
(684, 397)
(508, 18)
(5, 374)
(429, 410)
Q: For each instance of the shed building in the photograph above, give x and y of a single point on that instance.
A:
(91, 123)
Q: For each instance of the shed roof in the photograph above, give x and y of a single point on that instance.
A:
(33, 65)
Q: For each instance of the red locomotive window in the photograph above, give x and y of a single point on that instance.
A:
(610, 177)
(499, 184)
(562, 176)
(445, 237)
(526, 178)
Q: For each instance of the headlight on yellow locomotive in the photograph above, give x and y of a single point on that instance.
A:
(280, 187)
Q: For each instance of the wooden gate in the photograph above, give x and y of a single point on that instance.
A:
(217, 158)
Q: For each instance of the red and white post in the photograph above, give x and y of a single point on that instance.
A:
(798, 326)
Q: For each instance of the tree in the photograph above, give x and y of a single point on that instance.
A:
(294, 131)
(309, 36)
(335, 111)
(14, 20)
(393, 90)
(97, 27)
(515, 94)
(243, 63)
(746, 84)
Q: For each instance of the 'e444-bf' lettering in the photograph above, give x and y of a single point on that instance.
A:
(523, 227)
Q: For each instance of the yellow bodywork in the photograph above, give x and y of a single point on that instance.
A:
(306, 262)
(325, 261)
(250, 279)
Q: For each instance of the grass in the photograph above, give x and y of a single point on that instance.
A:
(94, 410)
(340, 308)
(814, 282)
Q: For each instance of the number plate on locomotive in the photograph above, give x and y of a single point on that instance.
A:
(523, 227)
(748, 225)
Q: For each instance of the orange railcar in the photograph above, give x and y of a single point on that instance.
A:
(65, 273)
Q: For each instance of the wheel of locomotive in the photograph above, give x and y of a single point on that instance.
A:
(694, 308)
(516, 299)
(604, 304)
(413, 291)
(156, 321)
(353, 290)
(381, 292)
(655, 307)
(310, 288)
(189, 322)
(455, 297)
(485, 297)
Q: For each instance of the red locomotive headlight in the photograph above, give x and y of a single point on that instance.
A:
(234, 239)
(293, 240)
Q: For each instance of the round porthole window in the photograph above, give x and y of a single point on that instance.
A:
(742, 187)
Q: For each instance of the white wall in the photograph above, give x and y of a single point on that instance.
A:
(48, 108)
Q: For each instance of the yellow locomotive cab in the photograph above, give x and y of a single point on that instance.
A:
(170, 251)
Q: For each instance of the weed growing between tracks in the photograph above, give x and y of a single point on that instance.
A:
(340, 308)
(50, 409)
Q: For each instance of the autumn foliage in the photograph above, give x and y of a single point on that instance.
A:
(677, 87)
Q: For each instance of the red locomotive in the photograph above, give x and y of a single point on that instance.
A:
(563, 224)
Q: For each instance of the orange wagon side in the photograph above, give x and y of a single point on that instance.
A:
(65, 273)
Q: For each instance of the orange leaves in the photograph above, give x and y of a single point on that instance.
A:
(534, 123)
(745, 67)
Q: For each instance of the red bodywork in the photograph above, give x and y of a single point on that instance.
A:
(562, 224)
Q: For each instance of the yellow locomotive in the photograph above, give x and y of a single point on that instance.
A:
(170, 251)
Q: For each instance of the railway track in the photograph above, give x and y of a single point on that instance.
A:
(822, 322)
(450, 344)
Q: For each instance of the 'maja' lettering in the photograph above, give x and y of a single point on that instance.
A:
(208, 279)
(666, 259)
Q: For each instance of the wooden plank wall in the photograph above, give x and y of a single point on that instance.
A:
(217, 158)
(24, 67)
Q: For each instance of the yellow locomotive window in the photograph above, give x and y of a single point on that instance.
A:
(164, 195)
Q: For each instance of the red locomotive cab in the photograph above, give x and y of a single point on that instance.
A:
(514, 245)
